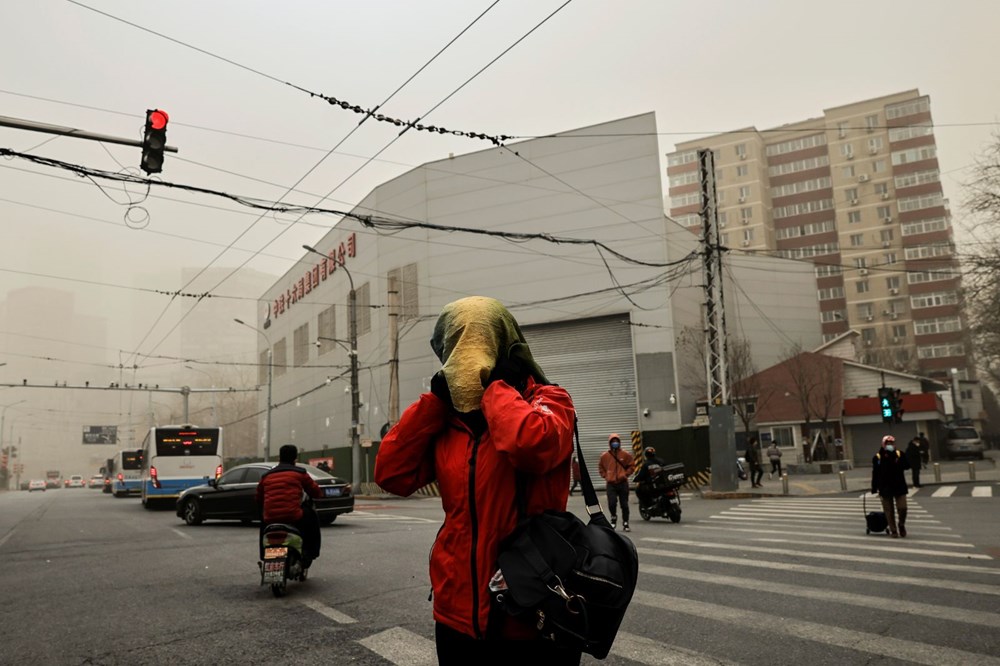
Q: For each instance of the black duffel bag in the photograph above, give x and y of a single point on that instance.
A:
(572, 580)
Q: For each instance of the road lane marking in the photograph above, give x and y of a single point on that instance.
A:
(365, 515)
(754, 530)
(402, 647)
(180, 534)
(815, 520)
(326, 611)
(643, 650)
(781, 567)
(887, 603)
(982, 491)
(829, 556)
(801, 513)
(881, 547)
(945, 491)
(822, 633)
(7, 536)
(830, 527)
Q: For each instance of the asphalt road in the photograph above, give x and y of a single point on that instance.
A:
(89, 579)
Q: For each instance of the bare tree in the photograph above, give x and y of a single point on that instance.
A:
(816, 381)
(749, 393)
(887, 352)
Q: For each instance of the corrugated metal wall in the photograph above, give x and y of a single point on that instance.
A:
(594, 361)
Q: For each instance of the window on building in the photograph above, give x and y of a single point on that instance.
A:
(885, 235)
(860, 262)
(883, 212)
(874, 144)
(742, 170)
(889, 258)
(746, 214)
(406, 281)
(847, 150)
(878, 166)
(741, 151)
(868, 335)
(857, 240)
(842, 128)
(724, 238)
(280, 358)
(851, 195)
(748, 236)
(783, 436)
(262, 369)
(899, 331)
(300, 345)
(965, 394)
(744, 193)
(718, 174)
(862, 286)
(871, 122)
(723, 218)
(363, 301)
(847, 171)
(865, 310)
(881, 189)
(326, 328)
(853, 216)
(892, 283)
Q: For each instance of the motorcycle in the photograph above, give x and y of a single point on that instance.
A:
(660, 495)
(282, 557)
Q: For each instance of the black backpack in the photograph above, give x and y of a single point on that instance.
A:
(572, 580)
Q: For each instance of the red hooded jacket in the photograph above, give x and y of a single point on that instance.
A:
(532, 433)
(280, 490)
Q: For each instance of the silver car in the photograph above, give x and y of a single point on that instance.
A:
(963, 441)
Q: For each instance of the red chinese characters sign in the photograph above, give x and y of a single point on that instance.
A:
(315, 274)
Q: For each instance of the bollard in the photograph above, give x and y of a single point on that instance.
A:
(972, 471)
(937, 472)
(784, 483)
(843, 480)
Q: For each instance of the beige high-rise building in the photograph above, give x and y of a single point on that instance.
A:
(857, 192)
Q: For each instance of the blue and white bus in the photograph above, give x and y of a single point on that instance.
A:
(125, 472)
(176, 458)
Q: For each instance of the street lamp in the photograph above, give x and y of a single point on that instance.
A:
(3, 415)
(215, 418)
(352, 317)
(270, 377)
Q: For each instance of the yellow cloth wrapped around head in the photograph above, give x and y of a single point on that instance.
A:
(470, 335)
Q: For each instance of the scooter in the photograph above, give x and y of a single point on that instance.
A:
(282, 557)
(663, 497)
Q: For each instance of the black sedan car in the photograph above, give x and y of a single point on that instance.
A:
(233, 496)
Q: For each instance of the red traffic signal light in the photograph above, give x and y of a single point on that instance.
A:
(154, 141)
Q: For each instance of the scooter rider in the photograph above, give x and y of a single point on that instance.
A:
(279, 496)
(643, 479)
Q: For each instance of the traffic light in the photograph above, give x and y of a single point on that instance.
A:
(887, 404)
(898, 412)
(3, 459)
(154, 140)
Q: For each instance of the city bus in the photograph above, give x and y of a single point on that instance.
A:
(125, 472)
(177, 457)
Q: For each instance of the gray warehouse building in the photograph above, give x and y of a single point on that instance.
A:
(602, 317)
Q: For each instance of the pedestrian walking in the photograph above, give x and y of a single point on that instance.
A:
(915, 454)
(889, 483)
(752, 456)
(925, 449)
(774, 455)
(615, 467)
(490, 415)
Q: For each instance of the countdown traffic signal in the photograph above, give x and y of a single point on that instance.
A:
(887, 404)
(154, 141)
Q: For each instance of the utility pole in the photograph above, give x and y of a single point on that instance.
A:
(270, 383)
(393, 351)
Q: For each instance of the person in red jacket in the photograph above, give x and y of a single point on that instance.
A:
(279, 496)
(490, 413)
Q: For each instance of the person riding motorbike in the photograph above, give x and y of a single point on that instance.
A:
(644, 477)
(279, 497)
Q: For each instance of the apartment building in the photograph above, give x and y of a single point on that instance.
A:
(858, 193)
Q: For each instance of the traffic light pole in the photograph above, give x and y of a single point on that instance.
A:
(46, 128)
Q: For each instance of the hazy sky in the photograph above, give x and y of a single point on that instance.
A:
(703, 67)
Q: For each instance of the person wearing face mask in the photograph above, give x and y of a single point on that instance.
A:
(889, 483)
(616, 467)
(490, 417)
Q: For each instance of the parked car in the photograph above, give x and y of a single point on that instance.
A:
(36, 484)
(233, 496)
(75, 481)
(963, 441)
(97, 481)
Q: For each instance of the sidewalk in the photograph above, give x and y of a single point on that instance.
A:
(859, 480)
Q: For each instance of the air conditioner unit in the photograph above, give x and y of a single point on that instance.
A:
(895, 341)
(894, 291)
(854, 202)
(849, 156)
(862, 271)
(873, 151)
(743, 199)
(746, 220)
(893, 315)
(885, 243)
(863, 178)
(743, 156)
(870, 318)
(885, 196)
(887, 219)
(746, 243)
(722, 225)
(868, 343)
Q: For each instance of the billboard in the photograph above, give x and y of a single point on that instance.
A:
(100, 434)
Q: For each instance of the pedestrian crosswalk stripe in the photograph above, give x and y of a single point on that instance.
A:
(827, 556)
(886, 603)
(944, 491)
(656, 653)
(873, 577)
(835, 523)
(402, 647)
(326, 611)
(849, 515)
(368, 515)
(825, 633)
(881, 547)
(982, 491)
(756, 530)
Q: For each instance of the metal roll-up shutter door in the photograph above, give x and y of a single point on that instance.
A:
(593, 360)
